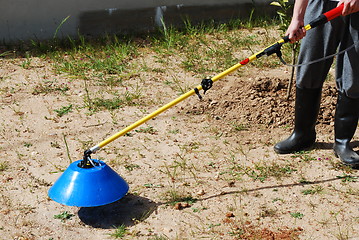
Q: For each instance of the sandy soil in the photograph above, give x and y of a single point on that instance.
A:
(214, 156)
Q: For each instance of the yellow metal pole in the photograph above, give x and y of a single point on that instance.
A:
(148, 117)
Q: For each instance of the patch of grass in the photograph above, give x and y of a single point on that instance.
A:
(240, 127)
(109, 104)
(86, 58)
(63, 110)
(120, 232)
(151, 185)
(130, 166)
(343, 231)
(339, 166)
(174, 131)
(267, 212)
(149, 129)
(169, 39)
(263, 172)
(27, 144)
(50, 87)
(297, 215)
(304, 156)
(202, 56)
(128, 98)
(27, 62)
(179, 86)
(197, 210)
(277, 199)
(4, 166)
(314, 190)
(55, 145)
(348, 178)
(64, 216)
(4, 54)
(173, 196)
(244, 40)
(213, 225)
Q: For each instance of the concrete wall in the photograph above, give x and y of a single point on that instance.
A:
(39, 19)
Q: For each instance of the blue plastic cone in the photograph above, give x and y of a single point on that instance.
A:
(88, 187)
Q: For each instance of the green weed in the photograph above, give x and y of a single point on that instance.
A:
(212, 225)
(263, 172)
(314, 190)
(240, 127)
(304, 181)
(130, 166)
(109, 104)
(267, 212)
(3, 166)
(174, 131)
(348, 178)
(27, 62)
(120, 232)
(297, 215)
(277, 199)
(149, 129)
(151, 185)
(86, 59)
(304, 156)
(64, 216)
(284, 13)
(63, 110)
(128, 98)
(4, 54)
(50, 87)
(27, 144)
(174, 196)
(197, 210)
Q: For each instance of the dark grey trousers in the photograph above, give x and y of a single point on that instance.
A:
(327, 39)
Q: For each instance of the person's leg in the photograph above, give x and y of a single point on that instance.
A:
(346, 122)
(307, 104)
(347, 108)
(319, 42)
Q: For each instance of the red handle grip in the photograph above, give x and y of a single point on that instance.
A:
(336, 12)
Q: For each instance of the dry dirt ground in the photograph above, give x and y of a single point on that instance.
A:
(201, 170)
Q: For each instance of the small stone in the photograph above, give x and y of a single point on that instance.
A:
(229, 215)
(201, 192)
(34, 153)
(231, 184)
(185, 205)
(178, 206)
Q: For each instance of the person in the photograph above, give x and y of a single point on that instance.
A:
(340, 33)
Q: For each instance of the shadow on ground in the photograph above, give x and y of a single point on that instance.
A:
(329, 146)
(123, 212)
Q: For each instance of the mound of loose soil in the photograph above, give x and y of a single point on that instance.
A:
(263, 101)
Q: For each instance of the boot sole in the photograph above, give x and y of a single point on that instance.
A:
(354, 166)
(294, 151)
